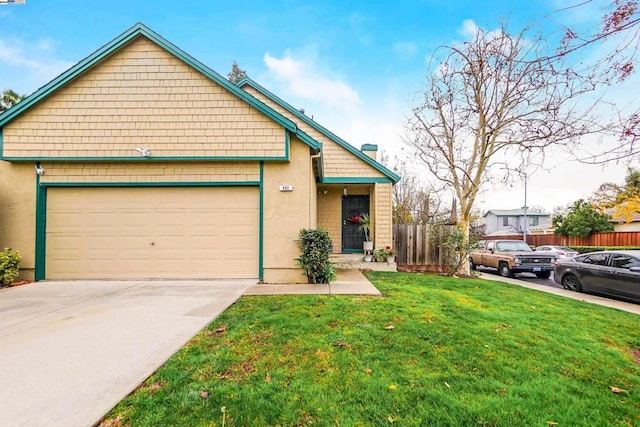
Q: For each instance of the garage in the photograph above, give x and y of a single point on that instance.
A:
(152, 232)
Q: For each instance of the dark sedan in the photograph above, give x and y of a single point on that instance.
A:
(611, 273)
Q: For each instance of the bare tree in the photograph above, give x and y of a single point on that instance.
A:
(414, 200)
(614, 46)
(495, 97)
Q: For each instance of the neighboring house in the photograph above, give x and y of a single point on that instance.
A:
(623, 222)
(141, 162)
(511, 221)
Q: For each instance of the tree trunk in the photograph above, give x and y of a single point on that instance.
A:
(463, 249)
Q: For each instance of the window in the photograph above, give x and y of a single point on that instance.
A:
(534, 220)
(597, 259)
(625, 261)
(505, 221)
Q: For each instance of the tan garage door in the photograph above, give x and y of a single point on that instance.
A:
(131, 233)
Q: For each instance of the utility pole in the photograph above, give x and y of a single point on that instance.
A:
(526, 223)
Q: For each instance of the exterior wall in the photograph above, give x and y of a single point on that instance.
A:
(143, 96)
(338, 162)
(329, 213)
(631, 226)
(494, 223)
(17, 213)
(384, 216)
(286, 213)
(150, 172)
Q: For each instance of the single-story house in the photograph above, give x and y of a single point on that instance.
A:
(141, 162)
(623, 219)
(511, 221)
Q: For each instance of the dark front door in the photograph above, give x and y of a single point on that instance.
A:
(353, 207)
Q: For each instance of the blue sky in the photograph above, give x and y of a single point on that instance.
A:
(356, 66)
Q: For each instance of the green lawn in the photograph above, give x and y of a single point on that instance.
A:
(462, 352)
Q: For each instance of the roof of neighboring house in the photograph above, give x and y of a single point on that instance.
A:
(344, 144)
(123, 39)
(618, 218)
(515, 212)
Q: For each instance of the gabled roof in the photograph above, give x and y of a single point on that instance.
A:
(514, 212)
(344, 144)
(123, 39)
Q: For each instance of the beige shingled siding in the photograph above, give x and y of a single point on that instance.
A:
(329, 213)
(338, 162)
(383, 219)
(150, 172)
(143, 96)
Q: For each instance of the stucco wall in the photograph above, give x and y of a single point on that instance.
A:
(142, 96)
(17, 213)
(286, 213)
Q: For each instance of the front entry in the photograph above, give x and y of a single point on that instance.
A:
(353, 207)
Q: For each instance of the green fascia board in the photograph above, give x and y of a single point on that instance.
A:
(344, 144)
(369, 147)
(356, 180)
(140, 29)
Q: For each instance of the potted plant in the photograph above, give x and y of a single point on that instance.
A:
(365, 227)
(391, 254)
(380, 255)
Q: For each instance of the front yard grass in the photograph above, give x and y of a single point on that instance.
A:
(433, 351)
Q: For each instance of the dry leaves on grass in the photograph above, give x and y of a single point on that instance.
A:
(617, 390)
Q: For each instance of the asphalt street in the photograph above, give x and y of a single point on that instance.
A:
(527, 277)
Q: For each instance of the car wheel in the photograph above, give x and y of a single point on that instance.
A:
(571, 283)
(504, 270)
(472, 265)
(543, 275)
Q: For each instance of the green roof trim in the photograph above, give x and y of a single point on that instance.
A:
(355, 180)
(341, 142)
(127, 36)
(369, 147)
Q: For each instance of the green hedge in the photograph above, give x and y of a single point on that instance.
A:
(9, 266)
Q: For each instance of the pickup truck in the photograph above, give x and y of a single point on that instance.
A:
(511, 257)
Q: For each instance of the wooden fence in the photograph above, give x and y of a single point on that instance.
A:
(419, 247)
(627, 238)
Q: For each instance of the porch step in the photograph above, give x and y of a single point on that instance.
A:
(356, 261)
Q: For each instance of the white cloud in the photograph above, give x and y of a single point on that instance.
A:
(303, 79)
(469, 28)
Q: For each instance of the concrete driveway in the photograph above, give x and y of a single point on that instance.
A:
(70, 351)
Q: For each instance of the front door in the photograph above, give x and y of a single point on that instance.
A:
(353, 207)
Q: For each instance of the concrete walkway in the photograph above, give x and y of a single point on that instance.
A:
(592, 299)
(70, 351)
(348, 282)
